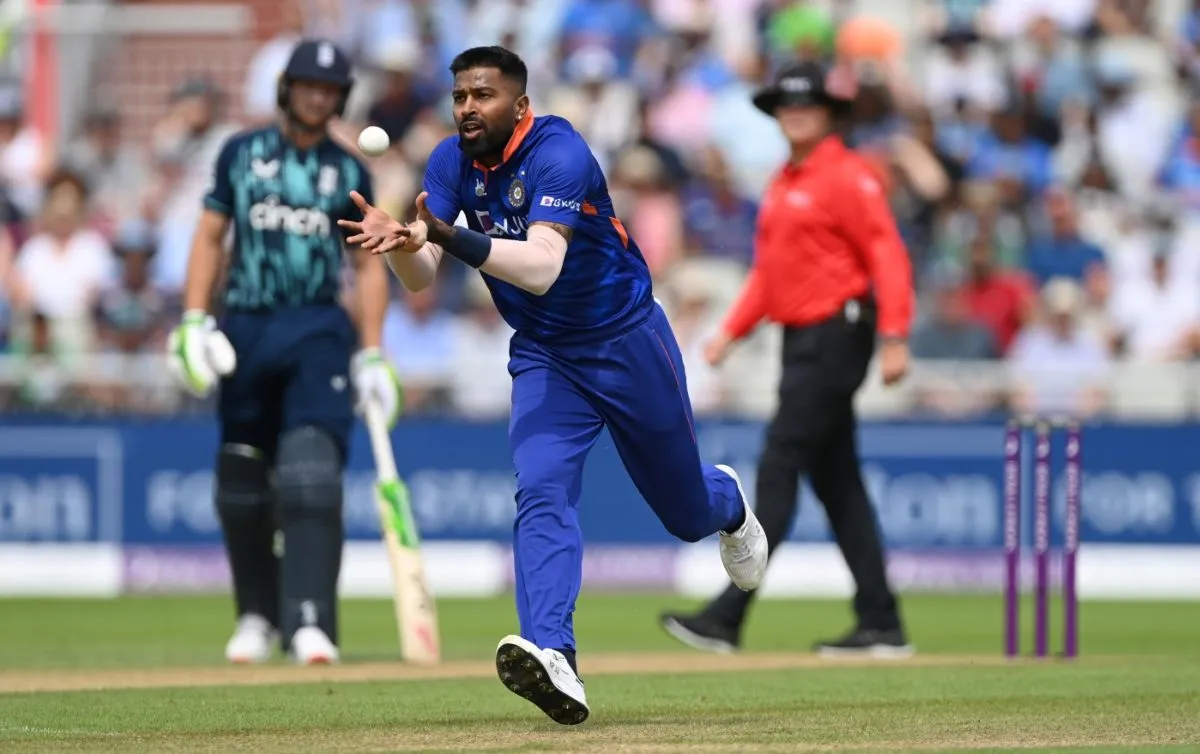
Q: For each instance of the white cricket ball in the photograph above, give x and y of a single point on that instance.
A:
(373, 141)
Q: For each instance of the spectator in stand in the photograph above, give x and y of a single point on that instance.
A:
(936, 16)
(405, 100)
(46, 370)
(800, 31)
(603, 108)
(949, 341)
(479, 383)
(1180, 174)
(691, 292)
(1001, 299)
(25, 158)
(185, 144)
(418, 336)
(624, 27)
(1155, 316)
(132, 318)
(62, 269)
(649, 207)
(114, 168)
(1052, 69)
(1007, 20)
(261, 88)
(1020, 164)
(1104, 216)
(960, 69)
(685, 96)
(717, 221)
(1133, 127)
(1057, 366)
(527, 27)
(1062, 252)
(750, 140)
(952, 333)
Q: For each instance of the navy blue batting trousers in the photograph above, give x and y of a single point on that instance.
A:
(562, 397)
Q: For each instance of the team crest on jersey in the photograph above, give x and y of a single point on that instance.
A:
(516, 193)
(327, 180)
(480, 189)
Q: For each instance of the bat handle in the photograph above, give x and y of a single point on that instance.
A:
(381, 443)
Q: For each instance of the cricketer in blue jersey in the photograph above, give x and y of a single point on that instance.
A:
(592, 349)
(288, 357)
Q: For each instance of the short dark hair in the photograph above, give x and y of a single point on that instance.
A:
(64, 176)
(506, 61)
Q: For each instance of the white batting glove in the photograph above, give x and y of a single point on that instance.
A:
(198, 354)
(376, 380)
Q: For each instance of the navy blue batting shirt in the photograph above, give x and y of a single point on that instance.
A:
(285, 203)
(548, 174)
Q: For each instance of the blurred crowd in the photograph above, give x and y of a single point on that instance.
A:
(1042, 159)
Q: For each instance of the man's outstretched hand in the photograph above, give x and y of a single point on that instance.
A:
(377, 232)
(431, 228)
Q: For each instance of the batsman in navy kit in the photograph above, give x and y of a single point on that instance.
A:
(592, 349)
(287, 356)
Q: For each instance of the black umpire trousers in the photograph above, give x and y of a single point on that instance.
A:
(814, 433)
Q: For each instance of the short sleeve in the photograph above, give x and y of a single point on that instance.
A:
(558, 181)
(442, 178)
(219, 197)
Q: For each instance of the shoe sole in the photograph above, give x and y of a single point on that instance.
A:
(874, 652)
(695, 640)
(523, 674)
(318, 660)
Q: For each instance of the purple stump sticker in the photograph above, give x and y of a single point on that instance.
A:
(1041, 536)
(1012, 537)
(1074, 485)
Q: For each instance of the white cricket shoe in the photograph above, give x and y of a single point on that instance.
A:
(744, 552)
(544, 677)
(310, 646)
(252, 641)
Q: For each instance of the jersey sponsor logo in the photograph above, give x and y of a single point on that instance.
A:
(264, 170)
(299, 221)
(550, 201)
(513, 227)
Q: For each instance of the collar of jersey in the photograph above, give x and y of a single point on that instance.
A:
(827, 149)
(514, 142)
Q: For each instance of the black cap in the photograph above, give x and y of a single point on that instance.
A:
(319, 60)
(316, 60)
(800, 84)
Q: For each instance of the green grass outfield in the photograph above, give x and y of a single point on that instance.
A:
(146, 674)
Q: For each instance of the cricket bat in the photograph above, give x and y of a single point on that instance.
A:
(416, 613)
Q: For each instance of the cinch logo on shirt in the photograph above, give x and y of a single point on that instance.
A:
(505, 226)
(299, 221)
(550, 201)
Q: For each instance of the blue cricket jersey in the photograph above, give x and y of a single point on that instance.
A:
(549, 175)
(285, 203)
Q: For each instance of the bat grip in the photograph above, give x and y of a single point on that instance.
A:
(381, 442)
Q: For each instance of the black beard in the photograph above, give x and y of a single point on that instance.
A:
(484, 145)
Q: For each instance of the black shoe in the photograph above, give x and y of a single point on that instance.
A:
(868, 642)
(701, 633)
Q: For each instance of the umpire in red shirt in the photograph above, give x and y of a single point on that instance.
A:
(829, 267)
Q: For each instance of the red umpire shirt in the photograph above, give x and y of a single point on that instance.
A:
(825, 235)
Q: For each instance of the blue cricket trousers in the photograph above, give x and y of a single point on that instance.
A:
(562, 397)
